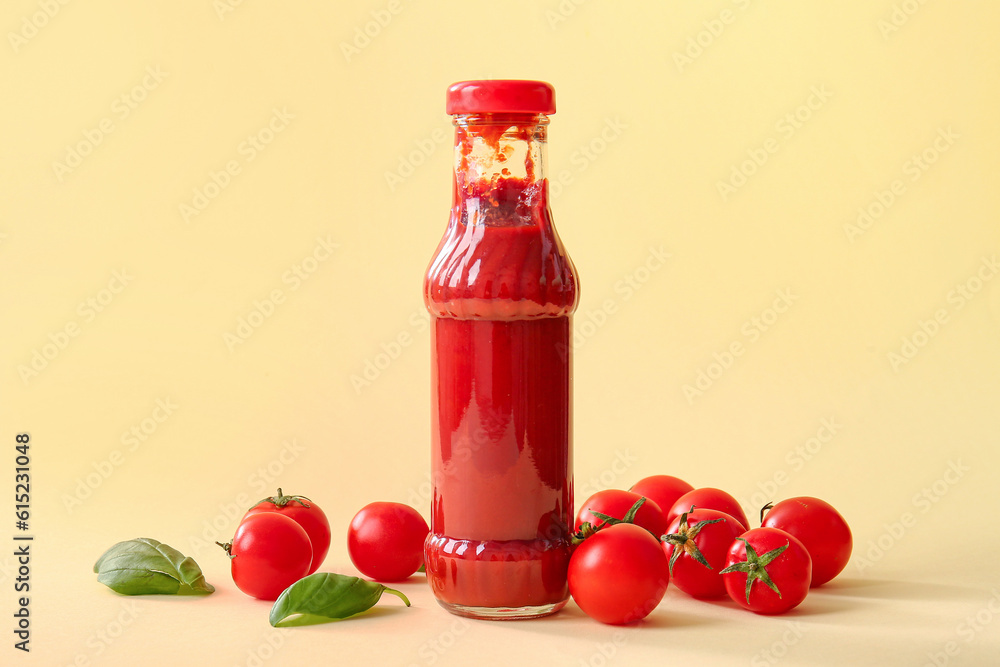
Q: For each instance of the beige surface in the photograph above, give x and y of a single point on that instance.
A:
(791, 307)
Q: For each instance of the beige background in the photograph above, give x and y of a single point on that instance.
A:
(141, 229)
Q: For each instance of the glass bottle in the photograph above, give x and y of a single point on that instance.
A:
(501, 291)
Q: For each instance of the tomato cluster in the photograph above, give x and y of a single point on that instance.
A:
(704, 545)
(628, 546)
(279, 540)
(282, 539)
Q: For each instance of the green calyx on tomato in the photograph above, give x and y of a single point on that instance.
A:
(587, 529)
(684, 540)
(755, 567)
(281, 500)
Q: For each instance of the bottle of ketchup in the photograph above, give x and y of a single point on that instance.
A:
(501, 291)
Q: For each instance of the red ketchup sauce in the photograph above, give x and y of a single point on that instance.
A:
(501, 291)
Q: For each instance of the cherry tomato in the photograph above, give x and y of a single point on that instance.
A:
(269, 553)
(663, 490)
(708, 498)
(616, 503)
(619, 574)
(818, 526)
(386, 541)
(307, 514)
(767, 571)
(696, 547)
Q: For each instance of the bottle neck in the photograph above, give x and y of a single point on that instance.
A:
(500, 177)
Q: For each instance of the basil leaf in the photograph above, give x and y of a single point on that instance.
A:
(325, 596)
(147, 567)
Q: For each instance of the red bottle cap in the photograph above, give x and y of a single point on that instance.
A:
(501, 96)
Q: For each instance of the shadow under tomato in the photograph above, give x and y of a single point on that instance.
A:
(814, 605)
(668, 618)
(566, 622)
(889, 589)
(414, 579)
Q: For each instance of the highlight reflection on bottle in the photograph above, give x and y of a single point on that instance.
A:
(501, 291)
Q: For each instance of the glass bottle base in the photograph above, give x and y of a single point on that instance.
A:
(503, 613)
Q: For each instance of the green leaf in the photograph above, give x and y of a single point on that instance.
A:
(147, 567)
(325, 596)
